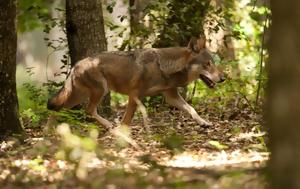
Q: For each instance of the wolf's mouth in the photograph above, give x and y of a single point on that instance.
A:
(207, 81)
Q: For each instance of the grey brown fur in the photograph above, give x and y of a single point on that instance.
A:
(137, 74)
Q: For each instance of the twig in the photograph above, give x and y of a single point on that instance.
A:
(248, 102)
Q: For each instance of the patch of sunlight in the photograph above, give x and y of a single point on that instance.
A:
(222, 158)
(248, 136)
(61, 164)
(244, 3)
(35, 166)
(247, 26)
(34, 139)
(4, 174)
(40, 167)
(6, 145)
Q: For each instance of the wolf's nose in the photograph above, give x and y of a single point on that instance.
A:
(222, 78)
(50, 105)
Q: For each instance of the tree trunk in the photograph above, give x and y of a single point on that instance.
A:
(136, 14)
(85, 33)
(9, 115)
(283, 111)
(222, 39)
(85, 28)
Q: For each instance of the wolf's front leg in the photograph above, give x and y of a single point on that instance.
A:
(92, 110)
(133, 103)
(173, 98)
(131, 107)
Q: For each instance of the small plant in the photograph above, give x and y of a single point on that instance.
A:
(76, 149)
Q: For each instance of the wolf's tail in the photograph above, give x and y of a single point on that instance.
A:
(58, 101)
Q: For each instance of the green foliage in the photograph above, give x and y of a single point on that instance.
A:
(32, 106)
(32, 103)
(217, 145)
(30, 114)
(74, 146)
(177, 29)
(173, 21)
(110, 6)
(243, 22)
(76, 149)
(173, 142)
(118, 99)
(168, 27)
(33, 97)
(29, 12)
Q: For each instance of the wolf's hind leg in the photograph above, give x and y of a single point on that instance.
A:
(95, 98)
(173, 98)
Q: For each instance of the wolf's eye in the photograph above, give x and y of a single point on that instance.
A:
(208, 63)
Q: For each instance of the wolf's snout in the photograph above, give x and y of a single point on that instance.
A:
(52, 106)
(222, 78)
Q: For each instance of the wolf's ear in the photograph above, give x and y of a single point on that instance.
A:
(196, 45)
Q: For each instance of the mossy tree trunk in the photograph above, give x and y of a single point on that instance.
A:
(284, 95)
(9, 115)
(85, 32)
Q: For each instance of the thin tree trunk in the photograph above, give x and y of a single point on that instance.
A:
(9, 115)
(284, 95)
(85, 33)
(225, 48)
(136, 14)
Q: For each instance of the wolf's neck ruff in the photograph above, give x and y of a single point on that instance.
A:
(169, 66)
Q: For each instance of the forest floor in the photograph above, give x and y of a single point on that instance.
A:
(174, 153)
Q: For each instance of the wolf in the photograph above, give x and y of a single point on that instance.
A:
(139, 73)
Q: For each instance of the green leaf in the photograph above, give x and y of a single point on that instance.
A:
(217, 145)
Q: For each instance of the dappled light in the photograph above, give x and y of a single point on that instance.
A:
(179, 148)
(134, 94)
(226, 159)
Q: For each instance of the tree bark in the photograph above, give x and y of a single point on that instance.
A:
(9, 115)
(283, 112)
(85, 33)
(85, 28)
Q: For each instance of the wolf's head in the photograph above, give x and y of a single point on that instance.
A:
(202, 63)
(70, 95)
